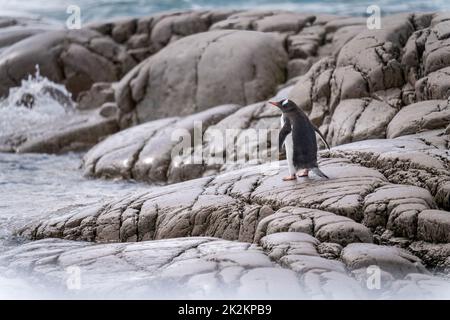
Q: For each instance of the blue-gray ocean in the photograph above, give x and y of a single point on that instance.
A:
(103, 9)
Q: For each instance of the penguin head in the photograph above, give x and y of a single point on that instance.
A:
(285, 105)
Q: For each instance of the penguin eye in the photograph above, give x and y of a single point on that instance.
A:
(285, 101)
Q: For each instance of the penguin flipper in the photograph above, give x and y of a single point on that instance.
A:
(321, 136)
(285, 130)
(318, 172)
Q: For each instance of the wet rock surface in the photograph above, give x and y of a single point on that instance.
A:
(356, 205)
(284, 266)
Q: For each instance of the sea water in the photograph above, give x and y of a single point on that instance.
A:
(94, 10)
(38, 186)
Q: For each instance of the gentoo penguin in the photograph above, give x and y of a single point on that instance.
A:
(298, 135)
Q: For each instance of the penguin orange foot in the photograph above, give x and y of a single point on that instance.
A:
(289, 178)
(302, 173)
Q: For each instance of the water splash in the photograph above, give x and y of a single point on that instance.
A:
(36, 102)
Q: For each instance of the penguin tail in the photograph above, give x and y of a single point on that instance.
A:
(318, 172)
(321, 137)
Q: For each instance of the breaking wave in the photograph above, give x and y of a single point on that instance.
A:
(36, 102)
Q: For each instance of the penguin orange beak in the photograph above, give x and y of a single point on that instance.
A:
(274, 103)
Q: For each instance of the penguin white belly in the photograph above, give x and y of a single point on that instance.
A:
(289, 146)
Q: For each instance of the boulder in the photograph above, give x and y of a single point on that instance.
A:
(70, 132)
(418, 160)
(359, 119)
(179, 79)
(15, 29)
(396, 261)
(374, 53)
(75, 58)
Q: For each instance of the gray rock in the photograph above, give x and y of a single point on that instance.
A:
(123, 29)
(344, 34)
(280, 244)
(420, 160)
(397, 208)
(325, 226)
(435, 55)
(72, 132)
(435, 255)
(312, 90)
(434, 226)
(243, 74)
(368, 65)
(420, 286)
(421, 116)
(229, 206)
(109, 109)
(99, 94)
(310, 237)
(306, 43)
(358, 119)
(434, 86)
(329, 250)
(374, 53)
(68, 57)
(336, 24)
(283, 22)
(15, 29)
(396, 261)
(190, 267)
(298, 67)
(127, 154)
(146, 35)
(298, 252)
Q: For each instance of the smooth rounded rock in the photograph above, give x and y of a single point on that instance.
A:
(179, 79)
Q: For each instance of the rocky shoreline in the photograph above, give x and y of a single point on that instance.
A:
(381, 98)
